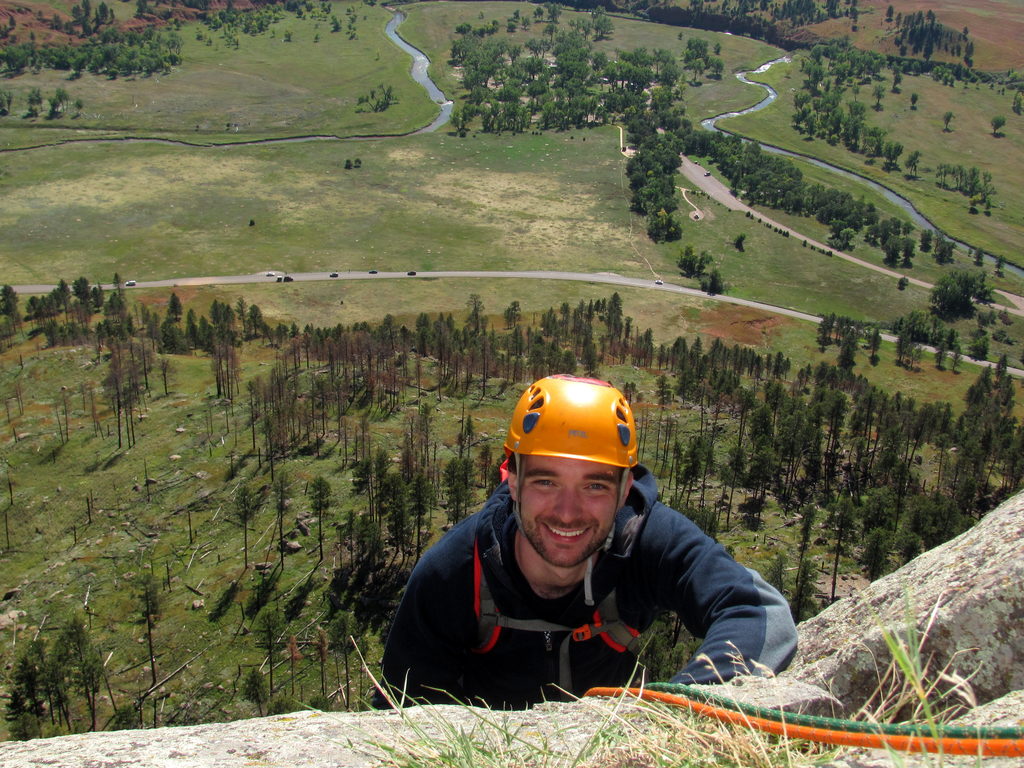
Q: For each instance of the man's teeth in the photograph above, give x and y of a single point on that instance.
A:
(561, 532)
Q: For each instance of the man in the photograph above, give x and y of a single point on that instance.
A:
(544, 592)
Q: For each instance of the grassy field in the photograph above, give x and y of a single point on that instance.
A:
(264, 87)
(996, 27)
(969, 143)
(425, 202)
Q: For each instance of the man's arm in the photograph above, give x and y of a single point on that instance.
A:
(429, 637)
(745, 623)
(758, 638)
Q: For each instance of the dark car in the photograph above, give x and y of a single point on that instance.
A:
(411, 272)
(373, 271)
(334, 274)
(288, 278)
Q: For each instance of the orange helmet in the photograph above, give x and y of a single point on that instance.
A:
(575, 418)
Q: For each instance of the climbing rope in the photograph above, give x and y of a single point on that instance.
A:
(950, 740)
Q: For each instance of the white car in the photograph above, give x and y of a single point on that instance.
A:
(129, 283)
(659, 282)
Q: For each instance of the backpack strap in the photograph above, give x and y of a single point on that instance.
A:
(484, 606)
(606, 624)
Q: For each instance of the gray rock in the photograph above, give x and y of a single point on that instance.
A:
(964, 598)
(776, 693)
(318, 739)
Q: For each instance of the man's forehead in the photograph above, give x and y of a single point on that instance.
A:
(553, 465)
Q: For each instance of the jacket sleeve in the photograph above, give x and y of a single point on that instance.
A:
(744, 623)
(432, 630)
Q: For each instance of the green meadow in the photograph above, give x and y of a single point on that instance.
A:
(969, 142)
(299, 78)
(152, 210)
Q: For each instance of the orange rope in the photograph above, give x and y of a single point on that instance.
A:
(949, 746)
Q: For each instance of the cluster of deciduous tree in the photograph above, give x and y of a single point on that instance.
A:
(652, 171)
(112, 52)
(249, 22)
(559, 81)
(969, 182)
(740, 18)
(760, 177)
(59, 103)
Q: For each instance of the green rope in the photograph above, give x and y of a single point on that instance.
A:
(850, 726)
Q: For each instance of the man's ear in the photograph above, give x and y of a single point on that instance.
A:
(513, 466)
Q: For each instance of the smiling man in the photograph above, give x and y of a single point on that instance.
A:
(546, 591)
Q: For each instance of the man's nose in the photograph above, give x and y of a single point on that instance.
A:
(567, 504)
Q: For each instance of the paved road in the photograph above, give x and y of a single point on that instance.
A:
(586, 277)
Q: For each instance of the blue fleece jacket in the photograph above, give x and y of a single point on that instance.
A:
(658, 560)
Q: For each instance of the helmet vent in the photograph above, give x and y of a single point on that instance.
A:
(620, 414)
(536, 404)
(530, 421)
(624, 434)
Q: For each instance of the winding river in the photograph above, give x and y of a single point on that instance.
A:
(420, 64)
(915, 215)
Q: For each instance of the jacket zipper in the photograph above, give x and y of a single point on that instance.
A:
(547, 642)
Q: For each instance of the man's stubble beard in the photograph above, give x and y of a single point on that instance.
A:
(530, 529)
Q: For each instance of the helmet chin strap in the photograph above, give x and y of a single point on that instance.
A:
(588, 588)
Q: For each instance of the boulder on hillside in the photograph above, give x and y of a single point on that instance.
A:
(963, 599)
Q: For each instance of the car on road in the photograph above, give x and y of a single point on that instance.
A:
(288, 278)
(707, 173)
(659, 282)
(271, 274)
(334, 274)
(373, 271)
(129, 283)
(411, 272)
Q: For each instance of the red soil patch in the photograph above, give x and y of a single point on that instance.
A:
(740, 325)
(32, 20)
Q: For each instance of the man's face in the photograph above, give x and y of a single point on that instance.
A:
(567, 506)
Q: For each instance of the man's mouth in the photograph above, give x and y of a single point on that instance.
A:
(569, 534)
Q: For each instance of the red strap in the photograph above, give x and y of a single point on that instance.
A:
(476, 580)
(477, 573)
(608, 639)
